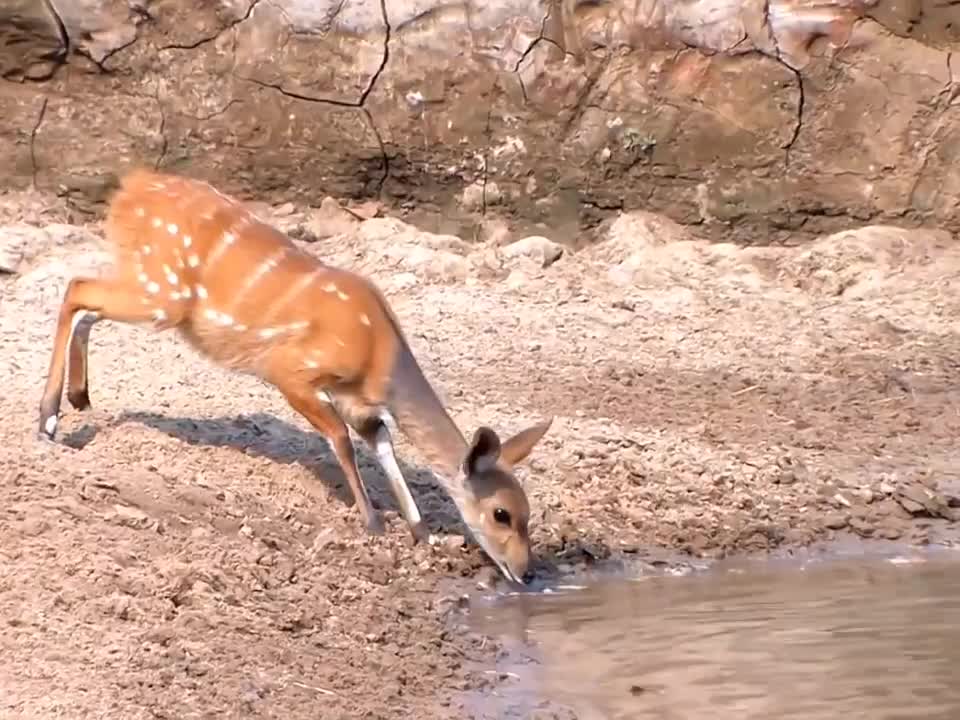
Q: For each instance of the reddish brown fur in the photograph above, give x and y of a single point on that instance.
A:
(241, 292)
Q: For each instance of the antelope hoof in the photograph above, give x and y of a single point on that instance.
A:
(80, 399)
(375, 524)
(48, 428)
(420, 533)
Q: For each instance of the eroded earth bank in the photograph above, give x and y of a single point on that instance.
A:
(186, 550)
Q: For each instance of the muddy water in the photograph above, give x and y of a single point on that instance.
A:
(877, 639)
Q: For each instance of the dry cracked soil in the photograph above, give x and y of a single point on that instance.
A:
(187, 548)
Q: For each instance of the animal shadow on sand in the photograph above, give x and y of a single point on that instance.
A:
(263, 435)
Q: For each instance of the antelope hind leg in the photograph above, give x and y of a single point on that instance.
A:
(78, 392)
(104, 300)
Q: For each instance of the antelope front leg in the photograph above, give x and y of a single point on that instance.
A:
(375, 433)
(322, 415)
(100, 298)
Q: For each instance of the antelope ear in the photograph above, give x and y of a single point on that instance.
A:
(519, 446)
(483, 453)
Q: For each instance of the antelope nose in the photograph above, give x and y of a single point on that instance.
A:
(528, 577)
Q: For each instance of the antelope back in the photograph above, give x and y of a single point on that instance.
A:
(234, 285)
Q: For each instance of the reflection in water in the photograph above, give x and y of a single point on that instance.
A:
(847, 639)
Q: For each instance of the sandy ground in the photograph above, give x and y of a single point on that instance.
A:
(188, 550)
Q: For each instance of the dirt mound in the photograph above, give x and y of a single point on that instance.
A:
(187, 547)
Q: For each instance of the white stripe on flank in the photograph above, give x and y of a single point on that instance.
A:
(259, 272)
(305, 281)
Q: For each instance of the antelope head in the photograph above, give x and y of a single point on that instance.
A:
(495, 506)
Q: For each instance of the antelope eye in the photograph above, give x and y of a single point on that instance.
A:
(501, 516)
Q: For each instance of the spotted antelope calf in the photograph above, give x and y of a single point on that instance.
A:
(190, 258)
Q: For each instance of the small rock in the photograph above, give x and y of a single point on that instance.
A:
(10, 259)
(537, 247)
(919, 500)
(473, 197)
(494, 231)
(886, 488)
(286, 208)
(862, 527)
(516, 280)
(841, 500)
(330, 219)
(453, 543)
(836, 521)
(439, 264)
(890, 531)
(367, 209)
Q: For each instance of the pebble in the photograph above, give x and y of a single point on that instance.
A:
(536, 247)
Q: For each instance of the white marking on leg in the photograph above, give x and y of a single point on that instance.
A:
(388, 461)
(50, 425)
(82, 320)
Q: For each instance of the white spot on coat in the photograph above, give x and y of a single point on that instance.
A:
(201, 291)
(156, 222)
(193, 261)
(153, 288)
(159, 315)
(187, 240)
(172, 228)
(364, 319)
